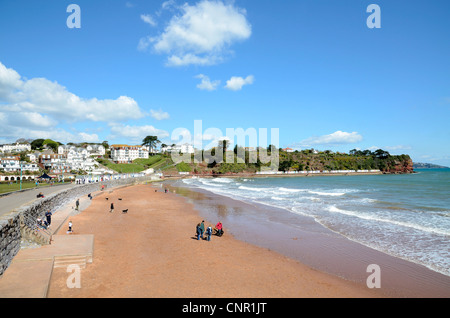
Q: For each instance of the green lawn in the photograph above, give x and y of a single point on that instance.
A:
(5, 187)
(138, 165)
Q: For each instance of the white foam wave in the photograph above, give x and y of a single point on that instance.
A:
(334, 194)
(419, 227)
(222, 180)
(290, 190)
(255, 189)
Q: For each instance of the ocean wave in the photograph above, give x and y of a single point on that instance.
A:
(334, 194)
(222, 180)
(255, 189)
(419, 227)
(290, 190)
(367, 200)
(278, 198)
(212, 184)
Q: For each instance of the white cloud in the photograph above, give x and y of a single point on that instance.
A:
(37, 108)
(394, 149)
(168, 4)
(85, 137)
(39, 95)
(135, 134)
(200, 34)
(27, 119)
(189, 58)
(236, 83)
(397, 147)
(147, 18)
(206, 83)
(336, 138)
(10, 82)
(159, 114)
(11, 131)
(144, 43)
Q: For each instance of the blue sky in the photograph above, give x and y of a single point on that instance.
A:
(312, 69)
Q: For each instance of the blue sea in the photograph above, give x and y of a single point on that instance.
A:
(406, 216)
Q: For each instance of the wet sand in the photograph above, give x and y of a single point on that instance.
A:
(301, 238)
(151, 252)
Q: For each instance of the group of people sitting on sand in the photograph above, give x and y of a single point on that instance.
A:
(200, 229)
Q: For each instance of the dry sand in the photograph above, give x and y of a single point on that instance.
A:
(152, 252)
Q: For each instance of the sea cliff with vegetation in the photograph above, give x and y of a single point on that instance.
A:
(306, 160)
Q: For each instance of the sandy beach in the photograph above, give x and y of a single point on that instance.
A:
(151, 251)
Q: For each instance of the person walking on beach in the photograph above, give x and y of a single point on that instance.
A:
(112, 207)
(77, 203)
(202, 229)
(198, 231)
(70, 227)
(48, 215)
(208, 233)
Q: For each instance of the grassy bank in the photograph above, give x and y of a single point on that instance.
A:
(6, 187)
(138, 165)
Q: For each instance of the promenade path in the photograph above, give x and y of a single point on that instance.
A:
(15, 200)
(28, 275)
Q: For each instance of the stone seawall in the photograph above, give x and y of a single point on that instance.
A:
(25, 216)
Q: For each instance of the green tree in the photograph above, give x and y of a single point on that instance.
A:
(52, 144)
(381, 154)
(151, 142)
(37, 144)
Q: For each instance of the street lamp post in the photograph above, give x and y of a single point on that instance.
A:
(21, 175)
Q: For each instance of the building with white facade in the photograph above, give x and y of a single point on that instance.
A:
(34, 156)
(15, 147)
(73, 160)
(127, 153)
(88, 150)
(96, 150)
(13, 164)
(184, 148)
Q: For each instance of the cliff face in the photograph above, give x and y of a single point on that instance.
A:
(401, 166)
(322, 161)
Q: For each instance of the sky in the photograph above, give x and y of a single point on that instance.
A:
(312, 73)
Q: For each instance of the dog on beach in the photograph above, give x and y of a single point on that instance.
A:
(125, 211)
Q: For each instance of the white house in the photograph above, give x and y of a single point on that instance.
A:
(89, 150)
(96, 150)
(34, 156)
(15, 147)
(13, 164)
(127, 153)
(184, 148)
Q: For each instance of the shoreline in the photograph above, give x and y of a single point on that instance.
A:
(275, 175)
(151, 251)
(337, 255)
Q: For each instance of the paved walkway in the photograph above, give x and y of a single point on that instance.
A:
(28, 275)
(17, 199)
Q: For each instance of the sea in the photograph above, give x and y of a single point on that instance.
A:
(403, 215)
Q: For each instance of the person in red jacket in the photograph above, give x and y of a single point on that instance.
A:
(219, 230)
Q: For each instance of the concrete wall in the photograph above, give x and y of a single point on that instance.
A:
(10, 229)
(9, 241)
